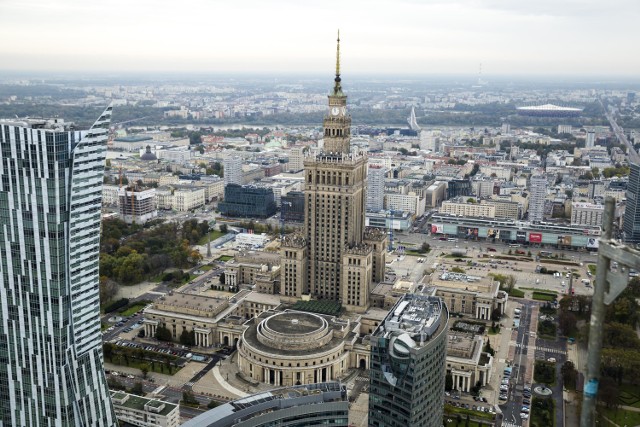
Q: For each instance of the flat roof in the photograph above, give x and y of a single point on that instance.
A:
(138, 403)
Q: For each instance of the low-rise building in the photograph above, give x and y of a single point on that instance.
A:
(468, 209)
(144, 412)
(137, 206)
(467, 363)
(470, 296)
(586, 214)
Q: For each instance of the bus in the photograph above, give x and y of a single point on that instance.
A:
(546, 254)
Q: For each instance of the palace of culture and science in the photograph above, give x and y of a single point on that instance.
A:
(335, 258)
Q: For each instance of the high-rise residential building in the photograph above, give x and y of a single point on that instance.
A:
(538, 190)
(296, 159)
(233, 170)
(565, 129)
(631, 223)
(375, 188)
(52, 366)
(333, 260)
(590, 141)
(408, 364)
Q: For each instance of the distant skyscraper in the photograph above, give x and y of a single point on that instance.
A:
(375, 188)
(506, 129)
(51, 372)
(233, 170)
(538, 190)
(631, 224)
(590, 142)
(336, 259)
(408, 364)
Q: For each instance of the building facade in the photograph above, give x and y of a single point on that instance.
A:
(538, 189)
(468, 209)
(52, 371)
(143, 412)
(338, 262)
(408, 353)
(375, 188)
(586, 214)
(247, 201)
(631, 223)
(233, 170)
(137, 206)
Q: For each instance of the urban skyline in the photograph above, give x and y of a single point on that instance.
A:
(507, 38)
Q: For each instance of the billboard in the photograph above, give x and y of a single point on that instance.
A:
(468, 232)
(593, 243)
(492, 233)
(521, 236)
(564, 240)
(535, 237)
(436, 228)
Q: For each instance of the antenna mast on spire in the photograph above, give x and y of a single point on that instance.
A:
(338, 56)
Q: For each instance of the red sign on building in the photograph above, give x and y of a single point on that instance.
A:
(535, 237)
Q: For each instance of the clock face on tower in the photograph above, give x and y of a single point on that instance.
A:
(335, 111)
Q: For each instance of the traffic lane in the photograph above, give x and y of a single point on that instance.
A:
(117, 330)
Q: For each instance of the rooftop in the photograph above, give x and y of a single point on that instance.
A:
(138, 403)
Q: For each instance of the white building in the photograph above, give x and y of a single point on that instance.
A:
(565, 129)
(538, 190)
(483, 187)
(405, 202)
(375, 188)
(233, 170)
(144, 412)
(468, 209)
(110, 195)
(586, 214)
(296, 159)
(188, 198)
(137, 206)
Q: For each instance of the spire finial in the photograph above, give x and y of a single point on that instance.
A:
(338, 56)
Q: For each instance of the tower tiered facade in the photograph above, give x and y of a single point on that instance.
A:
(50, 342)
(336, 258)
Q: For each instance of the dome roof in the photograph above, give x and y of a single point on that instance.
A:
(148, 155)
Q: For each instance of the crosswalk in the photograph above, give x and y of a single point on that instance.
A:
(524, 348)
(509, 424)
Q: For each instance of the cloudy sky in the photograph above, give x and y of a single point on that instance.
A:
(419, 37)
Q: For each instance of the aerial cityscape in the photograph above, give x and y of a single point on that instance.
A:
(289, 228)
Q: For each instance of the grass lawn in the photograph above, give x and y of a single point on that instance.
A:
(630, 395)
(132, 310)
(619, 416)
(452, 412)
(157, 279)
(516, 293)
(544, 296)
(462, 423)
(414, 253)
(592, 268)
(158, 367)
(205, 268)
(224, 258)
(214, 235)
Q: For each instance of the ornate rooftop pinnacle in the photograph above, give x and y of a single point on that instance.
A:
(337, 88)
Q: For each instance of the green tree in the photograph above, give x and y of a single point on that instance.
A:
(163, 334)
(224, 228)
(137, 389)
(144, 368)
(212, 404)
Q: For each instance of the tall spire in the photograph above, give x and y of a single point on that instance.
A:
(337, 88)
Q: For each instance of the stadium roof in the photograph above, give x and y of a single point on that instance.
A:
(548, 107)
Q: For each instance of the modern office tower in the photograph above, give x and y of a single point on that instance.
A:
(590, 142)
(407, 371)
(233, 170)
(50, 342)
(538, 190)
(506, 129)
(565, 129)
(323, 404)
(458, 187)
(338, 263)
(375, 188)
(247, 201)
(631, 224)
(413, 122)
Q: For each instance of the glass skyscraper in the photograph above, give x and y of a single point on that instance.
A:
(51, 367)
(631, 224)
(408, 364)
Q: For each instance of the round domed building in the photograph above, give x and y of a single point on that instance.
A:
(293, 348)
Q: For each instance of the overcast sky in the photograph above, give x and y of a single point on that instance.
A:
(508, 37)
